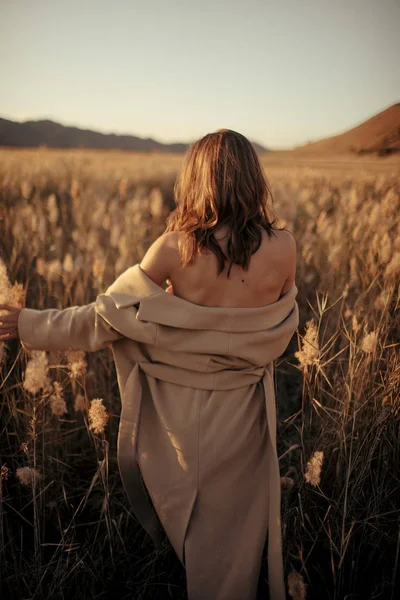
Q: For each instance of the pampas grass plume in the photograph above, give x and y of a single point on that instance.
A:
(309, 353)
(98, 416)
(313, 471)
(369, 342)
(296, 585)
(36, 377)
(28, 475)
(57, 403)
(76, 362)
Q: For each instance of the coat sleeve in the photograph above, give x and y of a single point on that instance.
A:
(74, 328)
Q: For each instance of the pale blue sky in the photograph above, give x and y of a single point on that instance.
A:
(281, 72)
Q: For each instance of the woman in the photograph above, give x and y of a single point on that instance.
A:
(197, 436)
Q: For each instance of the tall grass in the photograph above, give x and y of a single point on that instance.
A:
(70, 223)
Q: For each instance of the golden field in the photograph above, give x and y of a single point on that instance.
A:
(70, 223)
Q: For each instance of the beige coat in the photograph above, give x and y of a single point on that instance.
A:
(197, 436)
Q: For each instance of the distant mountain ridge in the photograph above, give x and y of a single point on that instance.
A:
(378, 135)
(54, 135)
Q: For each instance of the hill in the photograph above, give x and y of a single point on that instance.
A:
(54, 135)
(379, 135)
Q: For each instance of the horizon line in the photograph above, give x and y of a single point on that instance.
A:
(191, 141)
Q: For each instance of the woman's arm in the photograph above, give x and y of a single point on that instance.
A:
(74, 328)
(81, 327)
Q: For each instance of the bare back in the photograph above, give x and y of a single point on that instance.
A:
(271, 273)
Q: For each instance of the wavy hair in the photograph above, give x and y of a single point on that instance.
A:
(221, 183)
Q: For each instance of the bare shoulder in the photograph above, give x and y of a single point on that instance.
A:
(162, 257)
(284, 245)
(170, 239)
(278, 264)
(286, 237)
(289, 243)
(288, 257)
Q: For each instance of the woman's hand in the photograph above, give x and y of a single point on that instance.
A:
(169, 289)
(9, 323)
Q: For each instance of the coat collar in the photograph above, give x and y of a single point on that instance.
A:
(134, 286)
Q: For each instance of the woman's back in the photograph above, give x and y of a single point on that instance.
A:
(271, 273)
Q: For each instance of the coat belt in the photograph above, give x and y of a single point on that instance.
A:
(136, 385)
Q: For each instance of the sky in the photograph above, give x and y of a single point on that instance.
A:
(281, 72)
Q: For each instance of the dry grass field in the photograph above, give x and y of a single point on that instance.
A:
(70, 223)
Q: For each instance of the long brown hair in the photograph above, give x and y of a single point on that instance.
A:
(221, 183)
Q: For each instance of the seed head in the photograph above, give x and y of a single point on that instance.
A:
(4, 473)
(296, 585)
(98, 416)
(98, 268)
(17, 295)
(28, 475)
(68, 263)
(287, 482)
(5, 286)
(313, 471)
(54, 270)
(52, 209)
(347, 313)
(76, 363)
(355, 324)
(57, 403)
(369, 342)
(36, 372)
(309, 354)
